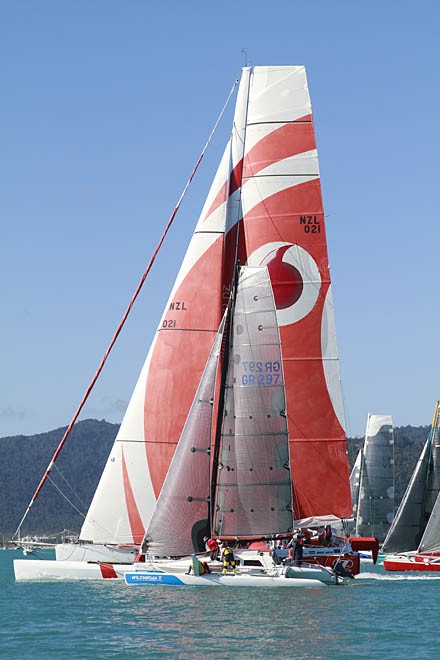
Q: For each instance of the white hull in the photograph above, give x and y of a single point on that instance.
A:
(78, 561)
(249, 574)
(37, 569)
(91, 552)
(155, 578)
(42, 569)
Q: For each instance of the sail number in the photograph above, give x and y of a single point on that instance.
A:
(261, 373)
(311, 224)
(175, 306)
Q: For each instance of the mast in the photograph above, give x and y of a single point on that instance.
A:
(222, 391)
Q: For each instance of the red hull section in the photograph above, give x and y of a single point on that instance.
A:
(108, 571)
(359, 543)
(414, 563)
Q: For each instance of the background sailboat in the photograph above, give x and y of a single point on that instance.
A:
(372, 479)
(415, 532)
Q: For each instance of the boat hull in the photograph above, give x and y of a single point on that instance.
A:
(93, 552)
(320, 562)
(417, 563)
(41, 569)
(152, 578)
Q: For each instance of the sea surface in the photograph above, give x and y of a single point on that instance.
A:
(378, 615)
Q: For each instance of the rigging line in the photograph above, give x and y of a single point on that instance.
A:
(66, 498)
(124, 318)
(69, 485)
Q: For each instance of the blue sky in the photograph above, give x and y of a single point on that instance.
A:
(105, 106)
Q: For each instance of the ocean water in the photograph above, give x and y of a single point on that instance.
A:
(378, 615)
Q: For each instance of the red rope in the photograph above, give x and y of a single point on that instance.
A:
(122, 322)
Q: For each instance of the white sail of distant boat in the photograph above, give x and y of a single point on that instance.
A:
(280, 435)
(355, 476)
(372, 479)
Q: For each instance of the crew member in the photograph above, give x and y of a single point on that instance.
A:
(203, 567)
(228, 559)
(328, 535)
(212, 546)
(298, 550)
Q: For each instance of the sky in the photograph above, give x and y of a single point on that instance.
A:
(105, 107)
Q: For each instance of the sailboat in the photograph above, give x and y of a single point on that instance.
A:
(262, 420)
(413, 541)
(372, 479)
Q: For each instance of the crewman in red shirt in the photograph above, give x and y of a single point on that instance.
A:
(212, 545)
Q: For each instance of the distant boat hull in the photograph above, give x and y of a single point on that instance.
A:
(416, 563)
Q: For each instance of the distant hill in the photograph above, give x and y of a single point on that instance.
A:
(23, 460)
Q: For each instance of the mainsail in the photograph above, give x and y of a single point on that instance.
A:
(419, 500)
(275, 203)
(375, 504)
(264, 209)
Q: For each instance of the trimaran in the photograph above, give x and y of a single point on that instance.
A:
(235, 429)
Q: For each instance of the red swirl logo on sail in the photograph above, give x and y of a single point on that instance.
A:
(295, 278)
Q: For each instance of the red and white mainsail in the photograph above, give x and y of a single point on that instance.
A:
(281, 225)
(264, 209)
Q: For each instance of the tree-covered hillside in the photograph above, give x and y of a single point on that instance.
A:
(24, 460)
(78, 469)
